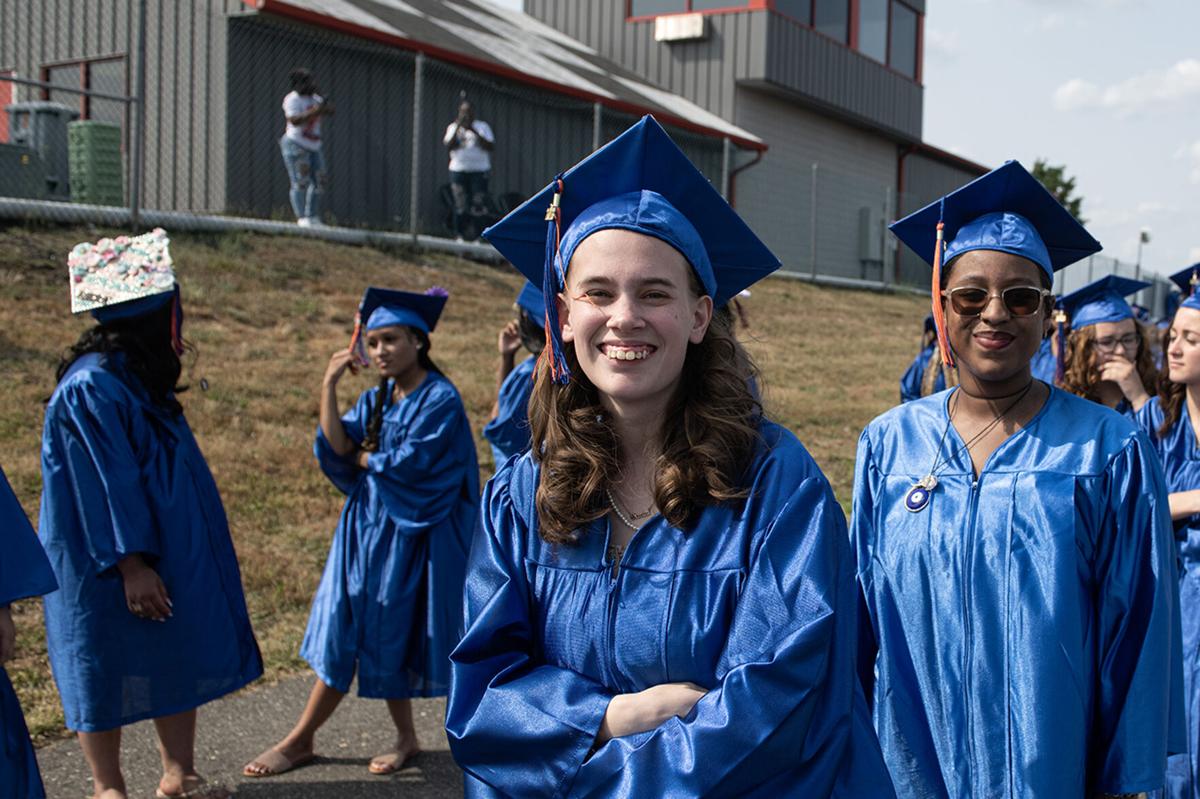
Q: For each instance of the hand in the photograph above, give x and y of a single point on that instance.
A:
(8, 636)
(362, 459)
(327, 108)
(510, 339)
(629, 714)
(1123, 372)
(145, 595)
(338, 364)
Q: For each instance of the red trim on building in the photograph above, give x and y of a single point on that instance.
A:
(939, 154)
(6, 97)
(852, 19)
(284, 9)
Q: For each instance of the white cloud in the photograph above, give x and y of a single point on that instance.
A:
(946, 44)
(1053, 21)
(1154, 87)
(1156, 207)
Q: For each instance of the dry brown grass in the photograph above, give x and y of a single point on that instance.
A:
(265, 313)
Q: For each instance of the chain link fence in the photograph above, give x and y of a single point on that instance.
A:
(136, 113)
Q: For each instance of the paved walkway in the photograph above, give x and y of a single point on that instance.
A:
(235, 729)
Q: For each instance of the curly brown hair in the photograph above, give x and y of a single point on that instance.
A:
(709, 436)
(1170, 394)
(1082, 373)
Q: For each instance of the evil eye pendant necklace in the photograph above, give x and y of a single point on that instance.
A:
(917, 498)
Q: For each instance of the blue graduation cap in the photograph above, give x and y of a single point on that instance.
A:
(1006, 210)
(1102, 300)
(388, 307)
(533, 302)
(1187, 279)
(640, 181)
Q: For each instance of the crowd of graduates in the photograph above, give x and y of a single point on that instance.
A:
(657, 594)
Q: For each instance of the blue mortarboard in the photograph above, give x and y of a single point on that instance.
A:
(1190, 301)
(1102, 300)
(533, 302)
(388, 307)
(1187, 278)
(640, 181)
(1006, 210)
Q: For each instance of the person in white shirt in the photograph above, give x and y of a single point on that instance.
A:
(301, 146)
(470, 142)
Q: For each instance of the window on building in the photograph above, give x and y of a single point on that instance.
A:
(711, 5)
(903, 51)
(832, 18)
(873, 29)
(799, 10)
(105, 75)
(653, 8)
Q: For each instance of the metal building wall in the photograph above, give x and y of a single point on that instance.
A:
(185, 79)
(855, 170)
(925, 180)
(755, 46)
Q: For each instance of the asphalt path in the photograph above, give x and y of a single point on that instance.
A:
(233, 730)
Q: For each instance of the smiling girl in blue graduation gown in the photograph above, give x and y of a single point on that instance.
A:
(24, 573)
(1023, 636)
(389, 605)
(1168, 420)
(702, 647)
(150, 620)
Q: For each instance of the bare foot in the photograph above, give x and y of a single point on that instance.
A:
(393, 761)
(192, 786)
(109, 793)
(280, 758)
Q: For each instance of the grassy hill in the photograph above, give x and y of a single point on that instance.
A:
(265, 314)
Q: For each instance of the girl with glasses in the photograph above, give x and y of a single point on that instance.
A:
(1108, 357)
(660, 599)
(1170, 420)
(1013, 541)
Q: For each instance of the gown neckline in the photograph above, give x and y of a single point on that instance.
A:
(961, 447)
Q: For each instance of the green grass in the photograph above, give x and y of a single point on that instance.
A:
(267, 312)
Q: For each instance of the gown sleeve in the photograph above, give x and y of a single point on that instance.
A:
(910, 383)
(1139, 717)
(862, 540)
(91, 435)
(516, 724)
(785, 681)
(24, 568)
(343, 472)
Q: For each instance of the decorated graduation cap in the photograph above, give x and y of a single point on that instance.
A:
(1187, 279)
(126, 277)
(642, 182)
(533, 302)
(1006, 210)
(1102, 300)
(388, 308)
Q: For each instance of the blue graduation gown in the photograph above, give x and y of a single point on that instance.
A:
(390, 599)
(756, 604)
(123, 476)
(1181, 462)
(910, 383)
(24, 572)
(508, 433)
(1026, 622)
(1044, 365)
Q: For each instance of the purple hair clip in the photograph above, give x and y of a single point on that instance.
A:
(436, 291)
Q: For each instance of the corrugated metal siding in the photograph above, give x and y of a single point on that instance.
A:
(185, 47)
(855, 170)
(752, 46)
(925, 180)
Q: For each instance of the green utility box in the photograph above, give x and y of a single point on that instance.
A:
(97, 174)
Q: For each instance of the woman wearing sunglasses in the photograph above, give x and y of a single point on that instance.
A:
(660, 599)
(1170, 419)
(1108, 357)
(1013, 541)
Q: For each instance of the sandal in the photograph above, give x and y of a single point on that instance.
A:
(275, 763)
(397, 764)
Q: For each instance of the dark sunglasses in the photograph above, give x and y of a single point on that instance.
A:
(1019, 300)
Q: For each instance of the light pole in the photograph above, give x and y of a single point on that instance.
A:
(1143, 238)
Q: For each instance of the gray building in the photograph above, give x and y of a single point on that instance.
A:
(832, 86)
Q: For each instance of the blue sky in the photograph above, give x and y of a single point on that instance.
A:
(1108, 88)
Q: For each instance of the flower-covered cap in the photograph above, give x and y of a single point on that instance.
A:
(121, 277)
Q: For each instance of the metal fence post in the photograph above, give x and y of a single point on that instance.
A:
(414, 201)
(597, 127)
(885, 273)
(726, 156)
(813, 220)
(137, 168)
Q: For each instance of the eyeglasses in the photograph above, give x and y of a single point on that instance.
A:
(1128, 342)
(1019, 300)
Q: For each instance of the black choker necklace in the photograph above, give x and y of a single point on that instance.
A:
(1020, 390)
(919, 495)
